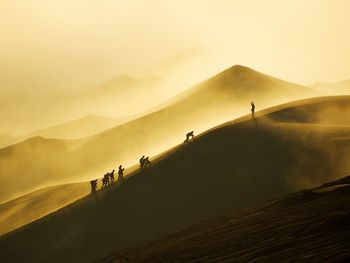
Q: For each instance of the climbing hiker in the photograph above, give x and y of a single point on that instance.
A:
(142, 161)
(93, 184)
(189, 135)
(105, 180)
(253, 108)
(120, 173)
(111, 176)
(146, 162)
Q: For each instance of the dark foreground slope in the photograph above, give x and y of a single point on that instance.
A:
(308, 226)
(233, 166)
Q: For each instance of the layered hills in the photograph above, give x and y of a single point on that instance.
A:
(236, 165)
(216, 100)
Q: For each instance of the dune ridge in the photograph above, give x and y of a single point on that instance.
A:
(216, 100)
(246, 162)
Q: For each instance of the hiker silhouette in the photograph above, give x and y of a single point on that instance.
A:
(189, 135)
(105, 180)
(93, 184)
(253, 108)
(111, 176)
(120, 173)
(142, 163)
(146, 162)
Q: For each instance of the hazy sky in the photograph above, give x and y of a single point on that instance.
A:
(54, 45)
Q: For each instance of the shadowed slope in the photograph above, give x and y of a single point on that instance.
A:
(311, 225)
(230, 167)
(219, 99)
(30, 207)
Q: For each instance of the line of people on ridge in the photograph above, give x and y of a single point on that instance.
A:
(108, 178)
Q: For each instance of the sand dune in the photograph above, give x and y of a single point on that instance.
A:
(122, 96)
(330, 88)
(25, 209)
(76, 129)
(30, 207)
(233, 166)
(214, 101)
(17, 171)
(311, 225)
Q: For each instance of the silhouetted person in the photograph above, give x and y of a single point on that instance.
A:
(105, 180)
(146, 162)
(111, 176)
(93, 184)
(253, 108)
(120, 173)
(189, 135)
(142, 161)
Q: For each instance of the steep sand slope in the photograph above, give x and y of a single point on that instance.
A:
(17, 172)
(308, 226)
(230, 167)
(30, 207)
(219, 99)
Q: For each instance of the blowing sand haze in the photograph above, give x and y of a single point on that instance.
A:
(174, 131)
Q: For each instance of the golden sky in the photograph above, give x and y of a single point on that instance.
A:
(61, 45)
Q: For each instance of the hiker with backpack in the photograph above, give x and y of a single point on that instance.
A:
(189, 135)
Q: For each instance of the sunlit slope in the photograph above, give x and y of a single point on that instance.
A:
(27, 208)
(120, 97)
(219, 99)
(310, 225)
(338, 88)
(233, 166)
(210, 103)
(32, 164)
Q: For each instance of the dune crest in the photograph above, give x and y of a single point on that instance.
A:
(233, 166)
(216, 100)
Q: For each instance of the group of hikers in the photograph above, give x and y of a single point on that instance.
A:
(144, 162)
(108, 178)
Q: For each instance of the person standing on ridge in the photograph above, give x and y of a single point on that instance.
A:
(253, 108)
